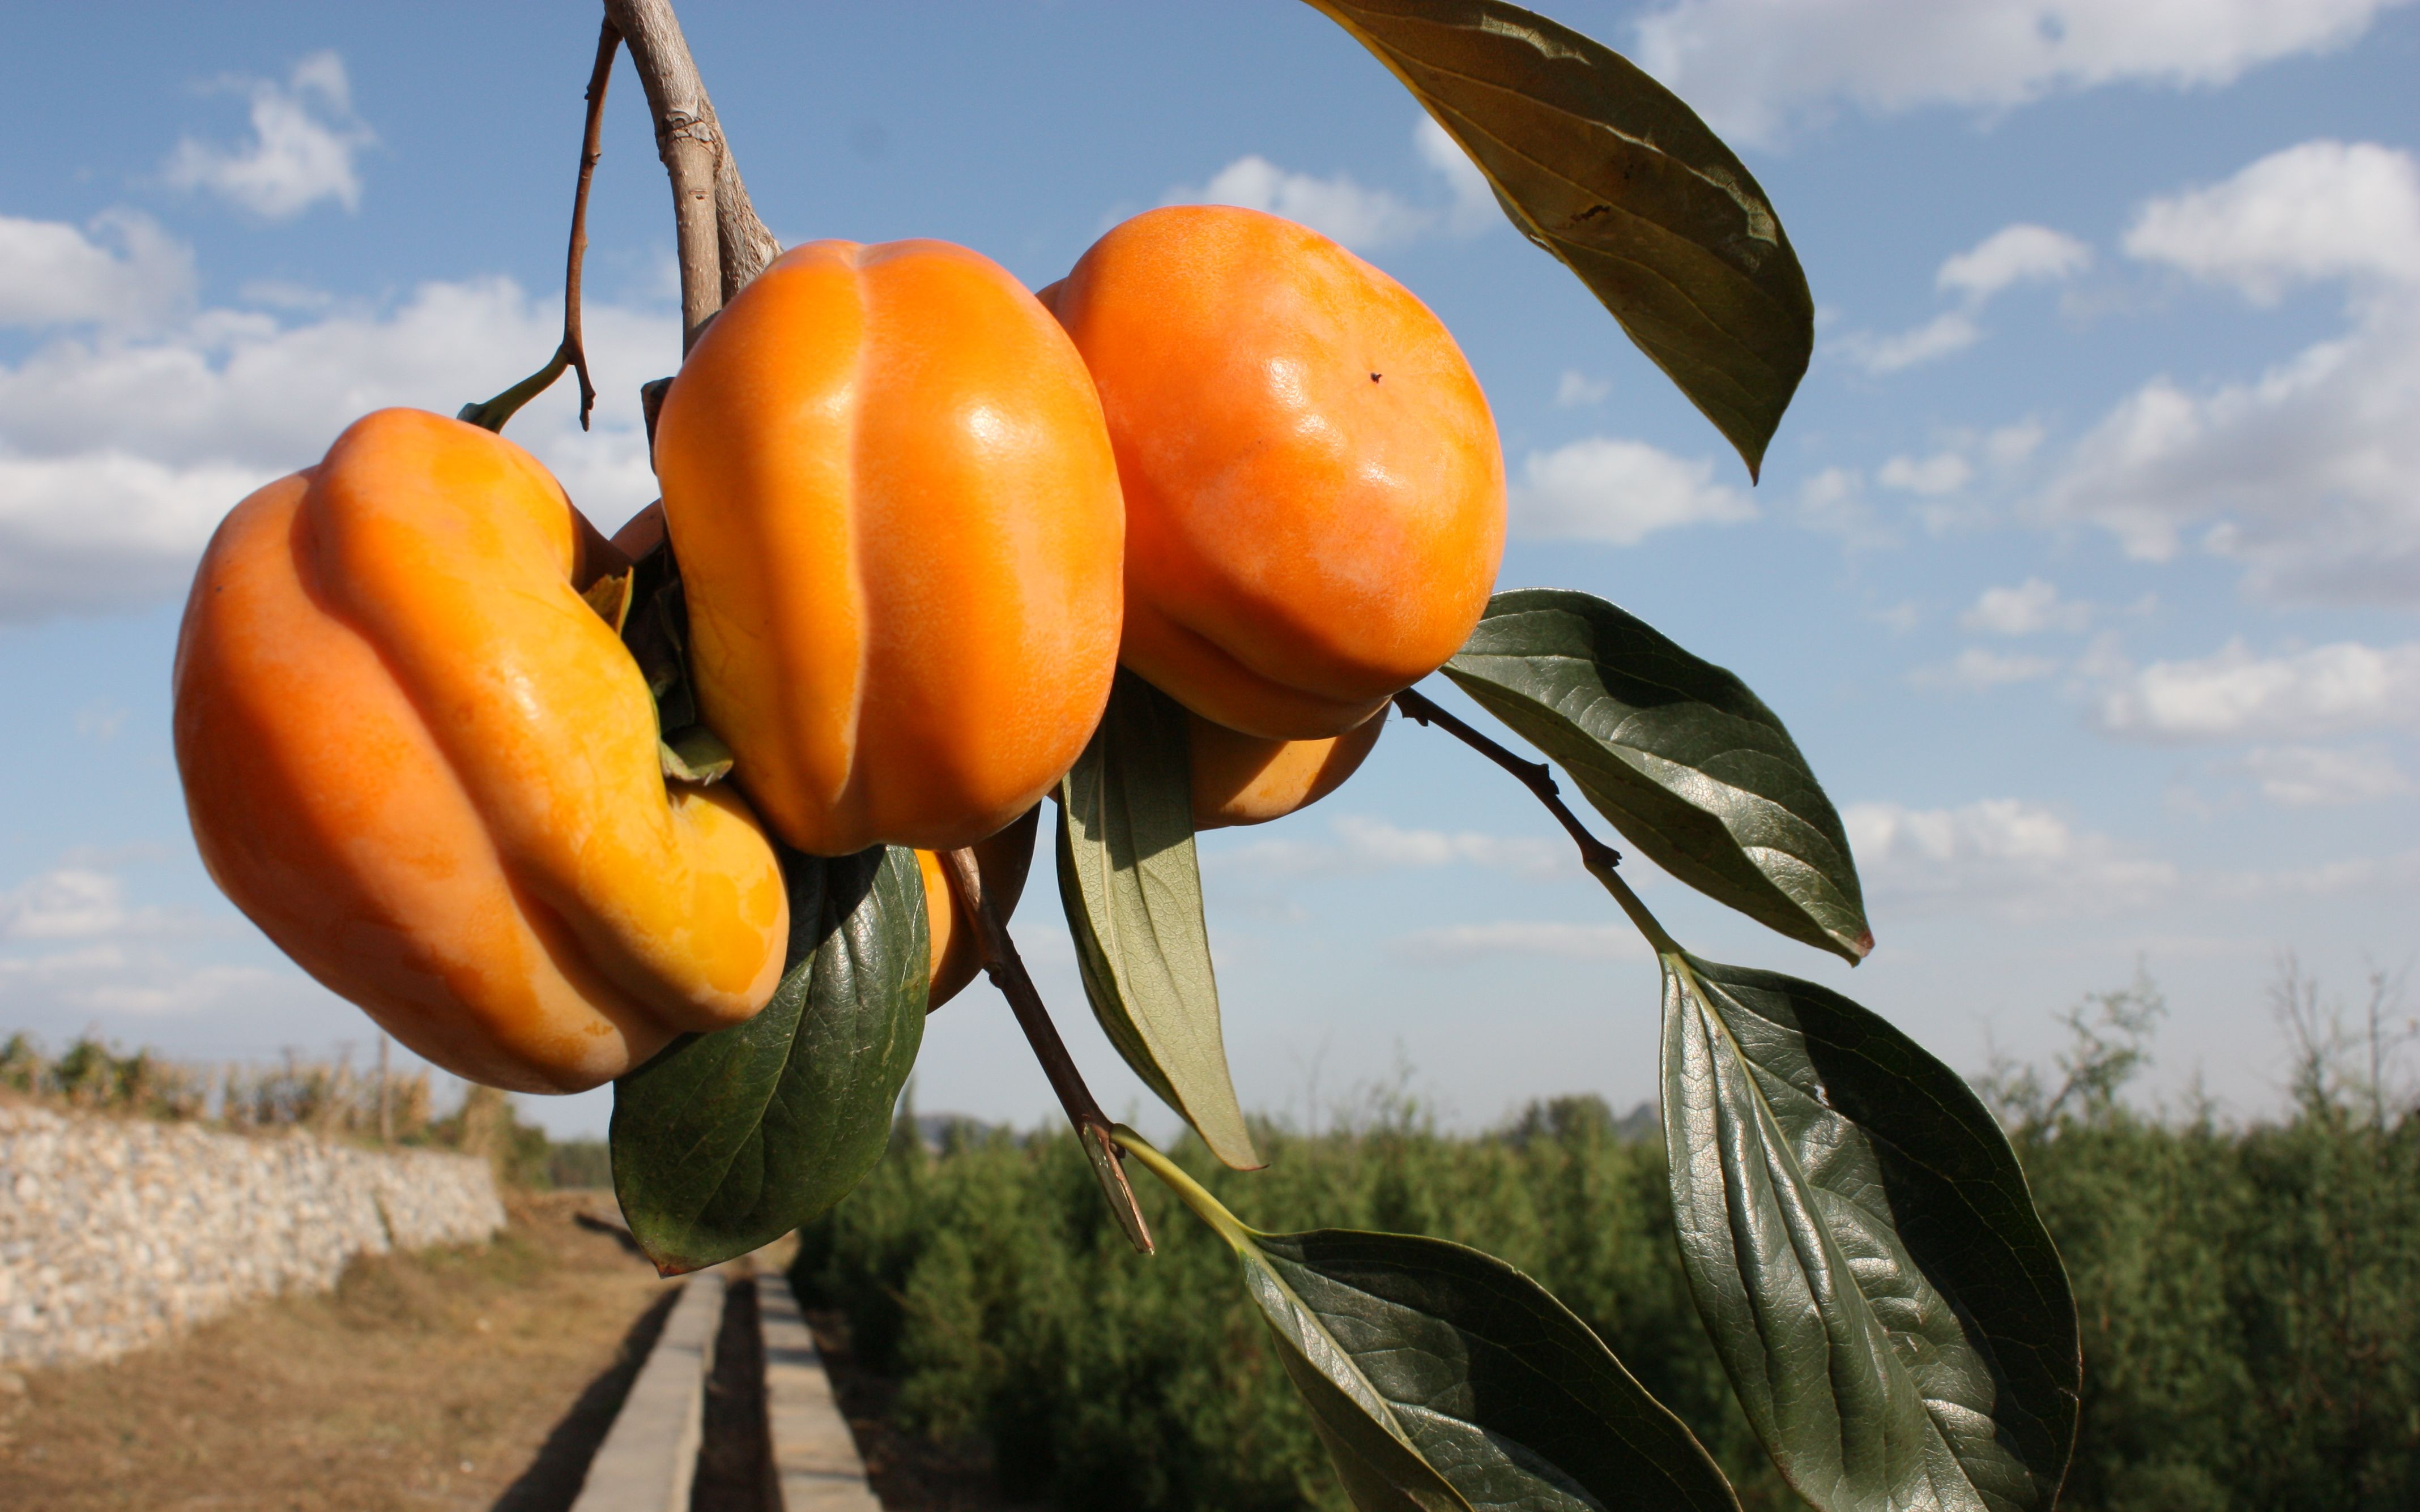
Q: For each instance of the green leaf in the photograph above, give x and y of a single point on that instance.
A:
(1440, 1377)
(726, 1141)
(654, 626)
(1610, 171)
(1864, 1251)
(1690, 766)
(696, 755)
(1132, 889)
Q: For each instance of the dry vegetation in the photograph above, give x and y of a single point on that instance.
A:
(467, 1379)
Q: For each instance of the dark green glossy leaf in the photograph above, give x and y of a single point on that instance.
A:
(1610, 171)
(1863, 1249)
(654, 626)
(726, 1141)
(1444, 1380)
(1132, 889)
(1690, 766)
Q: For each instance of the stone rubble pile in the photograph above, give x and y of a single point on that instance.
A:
(116, 1232)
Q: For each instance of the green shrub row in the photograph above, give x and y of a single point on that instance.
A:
(2250, 1297)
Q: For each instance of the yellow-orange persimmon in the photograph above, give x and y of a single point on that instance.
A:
(896, 512)
(1315, 491)
(957, 951)
(1251, 779)
(426, 769)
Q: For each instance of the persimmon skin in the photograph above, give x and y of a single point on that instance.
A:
(1313, 485)
(897, 514)
(427, 769)
(1004, 860)
(1251, 779)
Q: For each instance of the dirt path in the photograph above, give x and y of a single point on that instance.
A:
(476, 1378)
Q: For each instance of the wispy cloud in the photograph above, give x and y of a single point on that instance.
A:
(1619, 492)
(1756, 68)
(304, 138)
(2022, 253)
(2309, 474)
(2344, 688)
(1350, 211)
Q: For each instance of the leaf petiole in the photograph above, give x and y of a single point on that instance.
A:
(1189, 1191)
(1595, 855)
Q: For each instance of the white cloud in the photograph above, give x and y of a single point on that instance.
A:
(2019, 254)
(2343, 688)
(2362, 876)
(2309, 475)
(120, 270)
(1474, 207)
(2303, 777)
(1977, 670)
(1577, 390)
(2015, 857)
(2320, 211)
(1458, 943)
(1754, 68)
(1944, 472)
(2030, 608)
(1349, 211)
(71, 902)
(1360, 217)
(118, 454)
(1619, 492)
(304, 138)
(1951, 331)
(1362, 845)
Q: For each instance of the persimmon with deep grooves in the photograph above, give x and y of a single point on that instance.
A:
(428, 769)
(897, 517)
(1315, 491)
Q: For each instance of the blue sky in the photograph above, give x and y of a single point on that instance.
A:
(2084, 567)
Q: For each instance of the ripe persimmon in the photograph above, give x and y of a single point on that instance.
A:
(1251, 779)
(1313, 486)
(1004, 860)
(428, 769)
(898, 516)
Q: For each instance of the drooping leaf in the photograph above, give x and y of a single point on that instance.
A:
(1443, 1379)
(1132, 888)
(726, 1141)
(1610, 171)
(1685, 761)
(1863, 1249)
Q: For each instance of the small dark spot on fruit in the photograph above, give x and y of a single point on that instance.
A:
(1374, 378)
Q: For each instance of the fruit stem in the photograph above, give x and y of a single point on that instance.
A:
(571, 353)
(1007, 971)
(1595, 855)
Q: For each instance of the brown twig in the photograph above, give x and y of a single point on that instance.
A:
(719, 241)
(575, 351)
(570, 351)
(1536, 776)
(1007, 971)
(1595, 855)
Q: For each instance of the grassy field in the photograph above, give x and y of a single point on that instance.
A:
(2250, 1295)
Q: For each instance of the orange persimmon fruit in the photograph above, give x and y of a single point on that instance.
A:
(1315, 491)
(898, 516)
(1004, 860)
(1251, 779)
(428, 769)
